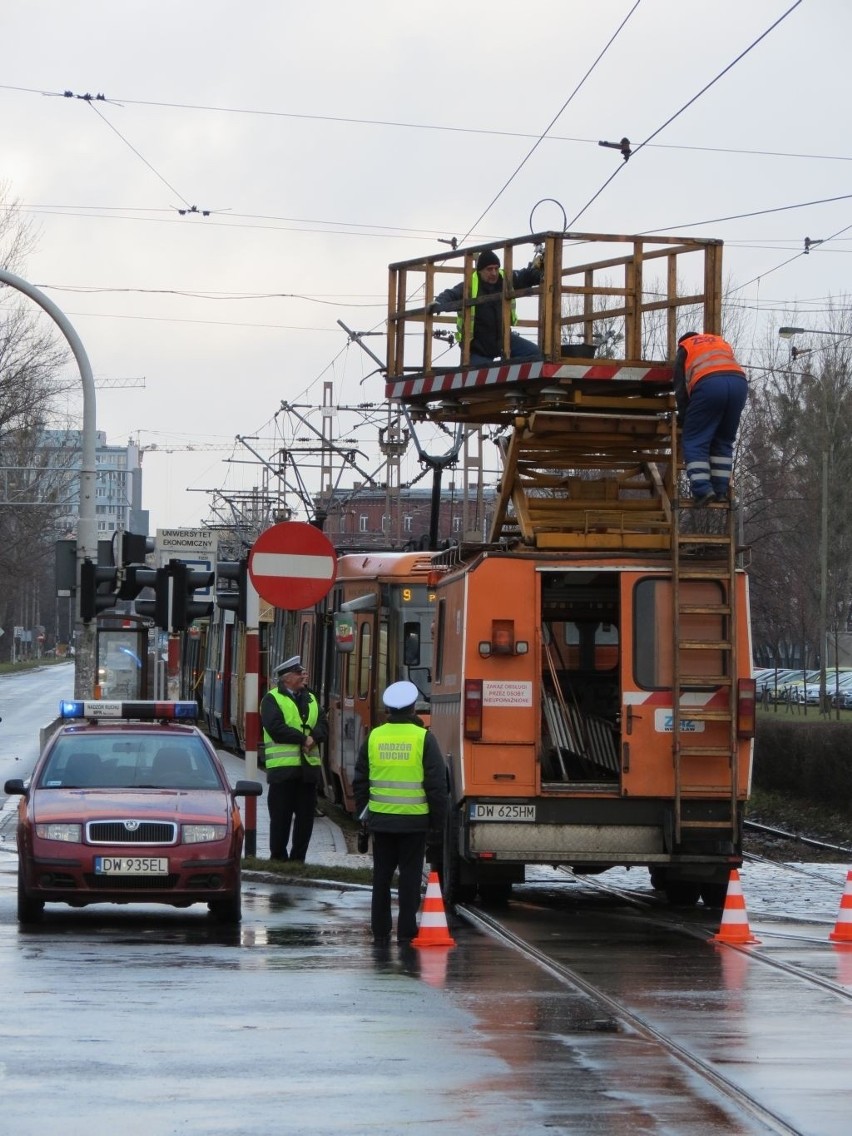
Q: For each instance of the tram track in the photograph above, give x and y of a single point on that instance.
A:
(621, 1011)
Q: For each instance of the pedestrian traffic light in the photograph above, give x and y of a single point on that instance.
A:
(186, 582)
(232, 586)
(137, 578)
(98, 589)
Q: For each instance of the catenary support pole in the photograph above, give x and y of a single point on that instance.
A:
(87, 540)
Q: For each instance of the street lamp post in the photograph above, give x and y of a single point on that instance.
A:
(87, 546)
(827, 451)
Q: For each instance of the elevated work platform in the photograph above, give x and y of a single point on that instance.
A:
(587, 433)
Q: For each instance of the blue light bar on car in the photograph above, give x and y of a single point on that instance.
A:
(141, 711)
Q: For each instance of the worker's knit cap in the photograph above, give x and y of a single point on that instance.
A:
(486, 258)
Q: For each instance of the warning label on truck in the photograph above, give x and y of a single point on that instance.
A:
(507, 694)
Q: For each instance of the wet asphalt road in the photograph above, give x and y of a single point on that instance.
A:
(156, 1021)
(29, 700)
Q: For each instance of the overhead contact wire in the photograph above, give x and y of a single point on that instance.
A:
(553, 121)
(685, 107)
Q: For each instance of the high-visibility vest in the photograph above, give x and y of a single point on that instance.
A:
(474, 292)
(395, 753)
(706, 354)
(281, 754)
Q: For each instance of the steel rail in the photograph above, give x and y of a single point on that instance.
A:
(619, 1010)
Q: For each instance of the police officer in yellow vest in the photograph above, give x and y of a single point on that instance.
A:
(293, 725)
(400, 789)
(487, 336)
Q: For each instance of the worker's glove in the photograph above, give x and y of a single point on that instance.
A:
(537, 261)
(433, 308)
(363, 839)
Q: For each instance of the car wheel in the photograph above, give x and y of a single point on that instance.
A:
(29, 910)
(230, 910)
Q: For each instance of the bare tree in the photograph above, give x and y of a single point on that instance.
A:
(793, 451)
(32, 487)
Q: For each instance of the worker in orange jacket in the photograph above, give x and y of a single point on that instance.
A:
(711, 390)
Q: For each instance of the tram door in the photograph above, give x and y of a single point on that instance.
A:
(353, 707)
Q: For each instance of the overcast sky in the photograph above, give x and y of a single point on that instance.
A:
(328, 139)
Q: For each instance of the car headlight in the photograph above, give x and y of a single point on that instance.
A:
(199, 833)
(71, 833)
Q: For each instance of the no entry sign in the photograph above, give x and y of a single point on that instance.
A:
(292, 565)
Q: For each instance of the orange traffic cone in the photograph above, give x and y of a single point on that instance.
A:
(842, 932)
(433, 931)
(734, 928)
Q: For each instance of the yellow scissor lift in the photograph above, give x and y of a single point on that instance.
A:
(588, 435)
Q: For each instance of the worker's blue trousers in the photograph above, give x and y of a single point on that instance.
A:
(710, 430)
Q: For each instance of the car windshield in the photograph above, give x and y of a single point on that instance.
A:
(114, 761)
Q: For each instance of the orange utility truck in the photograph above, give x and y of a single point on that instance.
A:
(590, 669)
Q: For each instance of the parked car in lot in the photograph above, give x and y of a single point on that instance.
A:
(783, 684)
(129, 803)
(838, 686)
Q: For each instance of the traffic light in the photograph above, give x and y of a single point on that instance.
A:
(134, 547)
(137, 578)
(186, 582)
(98, 589)
(232, 586)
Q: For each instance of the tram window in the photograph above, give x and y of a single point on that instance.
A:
(365, 644)
(382, 666)
(411, 644)
(653, 635)
(348, 661)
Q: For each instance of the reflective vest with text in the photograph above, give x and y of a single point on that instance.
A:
(395, 753)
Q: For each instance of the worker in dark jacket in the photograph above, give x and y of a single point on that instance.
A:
(293, 726)
(486, 342)
(711, 390)
(400, 789)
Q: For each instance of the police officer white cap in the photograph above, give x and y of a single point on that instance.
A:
(292, 664)
(400, 695)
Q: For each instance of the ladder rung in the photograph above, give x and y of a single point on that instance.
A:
(706, 573)
(699, 714)
(704, 609)
(704, 644)
(703, 538)
(705, 751)
(704, 680)
(726, 823)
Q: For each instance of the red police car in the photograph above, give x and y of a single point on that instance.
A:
(129, 803)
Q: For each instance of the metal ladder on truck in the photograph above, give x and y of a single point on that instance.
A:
(709, 558)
